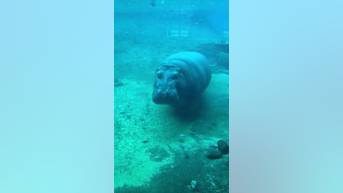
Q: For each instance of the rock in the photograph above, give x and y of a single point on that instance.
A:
(213, 154)
(223, 147)
(193, 185)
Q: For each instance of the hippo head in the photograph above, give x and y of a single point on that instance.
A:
(167, 82)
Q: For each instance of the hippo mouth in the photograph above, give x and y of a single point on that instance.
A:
(166, 96)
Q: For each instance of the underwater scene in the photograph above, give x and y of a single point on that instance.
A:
(171, 96)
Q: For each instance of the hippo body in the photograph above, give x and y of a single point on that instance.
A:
(180, 79)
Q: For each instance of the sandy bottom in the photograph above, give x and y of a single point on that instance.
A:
(140, 125)
(156, 150)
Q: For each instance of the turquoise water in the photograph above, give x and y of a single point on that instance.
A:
(157, 149)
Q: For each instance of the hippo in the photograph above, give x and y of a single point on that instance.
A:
(180, 79)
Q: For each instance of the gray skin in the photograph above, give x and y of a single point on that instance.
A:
(181, 78)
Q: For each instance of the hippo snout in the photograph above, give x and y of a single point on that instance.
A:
(165, 96)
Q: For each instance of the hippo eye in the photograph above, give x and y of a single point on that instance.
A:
(159, 74)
